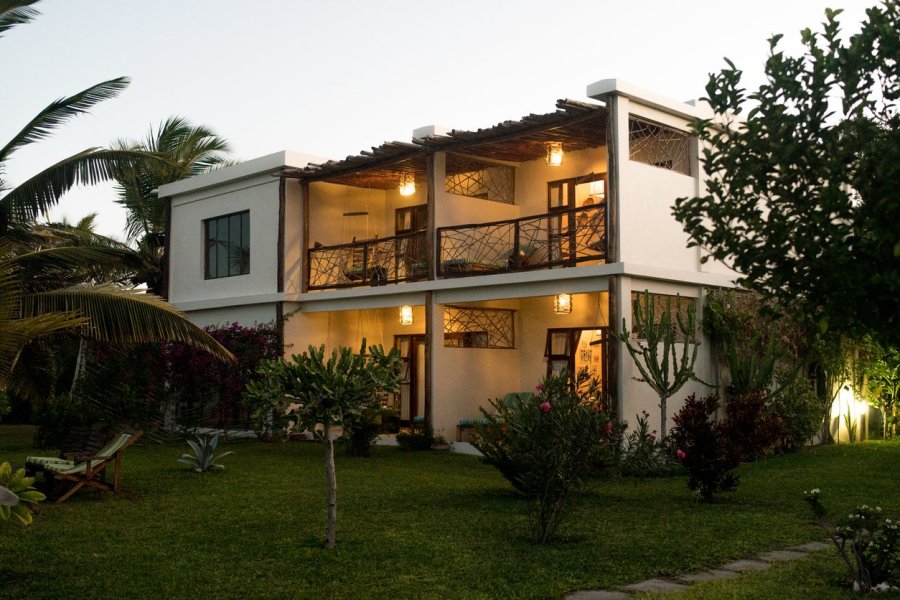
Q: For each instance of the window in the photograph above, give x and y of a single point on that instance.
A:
(227, 241)
(678, 307)
(476, 327)
(659, 146)
(469, 176)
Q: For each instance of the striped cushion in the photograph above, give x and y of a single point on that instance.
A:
(42, 461)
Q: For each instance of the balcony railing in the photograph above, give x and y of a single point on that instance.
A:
(371, 262)
(560, 238)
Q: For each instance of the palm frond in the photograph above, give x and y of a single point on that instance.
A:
(40, 193)
(123, 316)
(55, 267)
(15, 12)
(60, 111)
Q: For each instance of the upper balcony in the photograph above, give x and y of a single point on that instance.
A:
(461, 203)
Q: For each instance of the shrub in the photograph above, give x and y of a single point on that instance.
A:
(361, 431)
(704, 448)
(868, 544)
(797, 411)
(751, 430)
(547, 445)
(643, 455)
(416, 441)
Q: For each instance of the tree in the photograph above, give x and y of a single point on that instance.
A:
(188, 151)
(323, 394)
(51, 289)
(802, 192)
(660, 332)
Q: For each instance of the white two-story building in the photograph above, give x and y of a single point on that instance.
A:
(489, 257)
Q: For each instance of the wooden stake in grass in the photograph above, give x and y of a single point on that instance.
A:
(328, 393)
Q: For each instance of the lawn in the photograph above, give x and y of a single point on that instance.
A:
(410, 525)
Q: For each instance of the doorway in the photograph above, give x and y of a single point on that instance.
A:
(575, 349)
(410, 401)
(565, 230)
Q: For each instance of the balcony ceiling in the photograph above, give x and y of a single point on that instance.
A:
(577, 125)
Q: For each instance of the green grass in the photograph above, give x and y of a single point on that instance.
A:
(419, 525)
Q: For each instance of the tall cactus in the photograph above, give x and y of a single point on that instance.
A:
(655, 353)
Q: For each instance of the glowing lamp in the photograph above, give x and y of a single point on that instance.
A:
(562, 304)
(554, 154)
(407, 184)
(406, 315)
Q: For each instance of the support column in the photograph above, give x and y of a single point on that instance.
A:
(430, 241)
(429, 359)
(304, 240)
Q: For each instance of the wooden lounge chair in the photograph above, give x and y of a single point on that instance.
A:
(85, 470)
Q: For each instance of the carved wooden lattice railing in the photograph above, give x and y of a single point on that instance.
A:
(561, 238)
(373, 262)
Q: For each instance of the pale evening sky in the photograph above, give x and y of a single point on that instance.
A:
(332, 78)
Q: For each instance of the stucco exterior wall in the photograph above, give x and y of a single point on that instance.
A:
(637, 396)
(328, 203)
(248, 315)
(187, 280)
(532, 176)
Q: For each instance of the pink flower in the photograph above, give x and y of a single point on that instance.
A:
(680, 454)
(608, 427)
(539, 387)
(545, 406)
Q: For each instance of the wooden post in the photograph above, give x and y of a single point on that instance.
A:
(430, 254)
(613, 148)
(429, 370)
(304, 241)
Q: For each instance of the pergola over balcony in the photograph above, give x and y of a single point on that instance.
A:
(528, 242)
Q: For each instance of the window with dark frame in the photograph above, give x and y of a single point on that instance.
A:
(227, 243)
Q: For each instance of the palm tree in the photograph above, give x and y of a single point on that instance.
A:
(52, 282)
(188, 150)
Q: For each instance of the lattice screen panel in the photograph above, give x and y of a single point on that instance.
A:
(477, 179)
(470, 327)
(659, 146)
(677, 306)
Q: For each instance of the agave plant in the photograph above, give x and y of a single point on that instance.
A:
(16, 494)
(204, 457)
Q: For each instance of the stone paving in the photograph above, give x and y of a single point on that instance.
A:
(682, 582)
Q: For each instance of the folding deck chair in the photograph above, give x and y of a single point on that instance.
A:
(85, 470)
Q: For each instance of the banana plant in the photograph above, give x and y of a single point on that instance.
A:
(17, 495)
(204, 457)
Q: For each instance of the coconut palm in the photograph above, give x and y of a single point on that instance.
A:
(52, 282)
(188, 150)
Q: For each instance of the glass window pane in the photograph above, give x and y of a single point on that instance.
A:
(245, 243)
(211, 249)
(234, 245)
(222, 247)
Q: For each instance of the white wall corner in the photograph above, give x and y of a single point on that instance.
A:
(430, 131)
(690, 110)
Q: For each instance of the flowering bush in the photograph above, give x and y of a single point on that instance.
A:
(704, 447)
(643, 455)
(548, 445)
(868, 544)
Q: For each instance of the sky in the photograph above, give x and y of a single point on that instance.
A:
(334, 77)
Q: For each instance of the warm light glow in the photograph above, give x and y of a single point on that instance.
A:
(596, 188)
(562, 304)
(406, 315)
(554, 154)
(407, 184)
